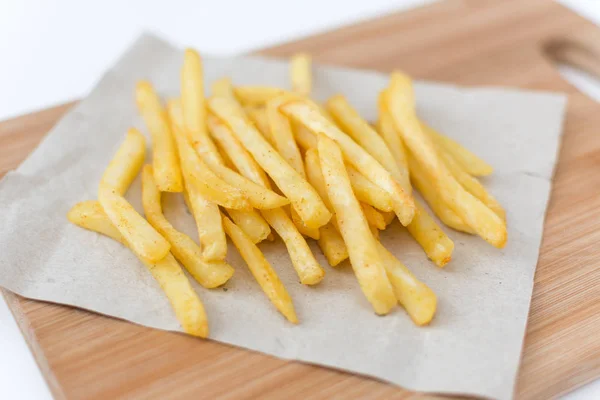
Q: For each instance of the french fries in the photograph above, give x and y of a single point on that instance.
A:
(301, 74)
(303, 197)
(363, 134)
(472, 164)
(261, 270)
(199, 175)
(418, 299)
(164, 152)
(362, 247)
(312, 118)
(276, 161)
(423, 183)
(126, 163)
(185, 302)
(138, 233)
(193, 104)
(206, 214)
(209, 274)
(485, 222)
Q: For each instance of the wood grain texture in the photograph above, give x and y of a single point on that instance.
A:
(469, 42)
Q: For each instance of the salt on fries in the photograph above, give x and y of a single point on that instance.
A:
(337, 179)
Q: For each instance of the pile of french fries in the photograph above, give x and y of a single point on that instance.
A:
(252, 159)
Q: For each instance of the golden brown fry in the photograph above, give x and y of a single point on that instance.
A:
(354, 125)
(374, 218)
(304, 137)
(392, 138)
(303, 197)
(261, 270)
(300, 72)
(256, 95)
(423, 183)
(417, 298)
(332, 245)
(184, 300)
(473, 212)
(251, 222)
(472, 184)
(186, 251)
(388, 216)
(362, 247)
(258, 116)
(126, 163)
(312, 233)
(199, 175)
(308, 269)
(314, 175)
(437, 245)
(283, 137)
(313, 119)
(472, 164)
(164, 152)
(206, 214)
(368, 192)
(193, 104)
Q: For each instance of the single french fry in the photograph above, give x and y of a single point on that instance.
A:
(164, 152)
(281, 130)
(252, 223)
(258, 116)
(308, 269)
(209, 274)
(374, 218)
(354, 125)
(302, 196)
(198, 174)
(424, 185)
(256, 95)
(261, 270)
(472, 184)
(368, 192)
(304, 137)
(470, 162)
(355, 155)
(206, 214)
(193, 104)
(126, 163)
(362, 247)
(419, 301)
(485, 222)
(436, 244)
(185, 302)
(314, 175)
(300, 72)
(392, 138)
(332, 245)
(208, 223)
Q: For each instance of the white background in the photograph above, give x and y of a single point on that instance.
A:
(52, 51)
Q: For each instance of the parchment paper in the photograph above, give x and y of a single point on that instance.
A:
(474, 343)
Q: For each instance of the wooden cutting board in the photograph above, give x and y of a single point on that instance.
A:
(470, 42)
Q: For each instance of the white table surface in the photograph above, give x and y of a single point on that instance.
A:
(52, 51)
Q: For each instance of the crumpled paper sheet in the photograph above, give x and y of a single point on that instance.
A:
(473, 345)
